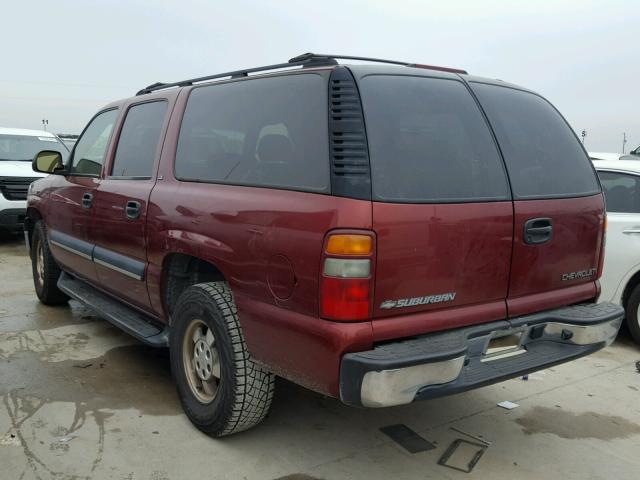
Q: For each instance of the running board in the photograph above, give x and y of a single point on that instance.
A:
(115, 312)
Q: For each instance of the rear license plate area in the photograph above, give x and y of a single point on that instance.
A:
(503, 344)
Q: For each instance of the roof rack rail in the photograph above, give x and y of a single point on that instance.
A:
(316, 61)
(306, 57)
(305, 60)
(319, 56)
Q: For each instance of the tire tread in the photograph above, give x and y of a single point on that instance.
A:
(254, 385)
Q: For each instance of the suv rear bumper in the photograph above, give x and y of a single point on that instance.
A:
(440, 364)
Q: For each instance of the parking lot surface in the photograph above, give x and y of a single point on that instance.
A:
(80, 399)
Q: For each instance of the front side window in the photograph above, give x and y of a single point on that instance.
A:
(543, 156)
(621, 191)
(91, 148)
(263, 132)
(428, 142)
(138, 143)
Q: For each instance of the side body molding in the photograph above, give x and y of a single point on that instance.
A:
(107, 258)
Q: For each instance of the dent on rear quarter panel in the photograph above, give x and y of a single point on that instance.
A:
(240, 230)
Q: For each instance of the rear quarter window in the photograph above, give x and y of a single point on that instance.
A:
(269, 132)
(428, 142)
(542, 154)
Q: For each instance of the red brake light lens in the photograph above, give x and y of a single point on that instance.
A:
(345, 299)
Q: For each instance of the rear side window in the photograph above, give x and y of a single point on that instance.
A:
(429, 143)
(621, 191)
(264, 132)
(543, 156)
(138, 143)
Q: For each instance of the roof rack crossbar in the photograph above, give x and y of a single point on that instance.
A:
(304, 60)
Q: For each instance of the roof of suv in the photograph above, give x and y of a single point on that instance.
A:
(25, 132)
(310, 61)
(359, 70)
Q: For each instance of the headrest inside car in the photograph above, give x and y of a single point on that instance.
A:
(275, 148)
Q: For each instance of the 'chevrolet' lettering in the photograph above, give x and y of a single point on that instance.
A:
(577, 275)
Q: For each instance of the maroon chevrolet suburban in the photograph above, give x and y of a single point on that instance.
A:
(381, 233)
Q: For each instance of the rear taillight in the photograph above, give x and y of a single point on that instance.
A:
(346, 283)
(603, 246)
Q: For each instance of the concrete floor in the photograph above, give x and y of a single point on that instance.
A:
(80, 399)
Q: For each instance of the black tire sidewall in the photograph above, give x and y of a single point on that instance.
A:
(46, 289)
(633, 322)
(195, 303)
(39, 238)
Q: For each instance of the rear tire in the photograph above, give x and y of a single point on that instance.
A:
(632, 314)
(45, 269)
(222, 390)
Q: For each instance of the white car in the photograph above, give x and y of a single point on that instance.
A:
(620, 280)
(17, 149)
(632, 155)
(604, 156)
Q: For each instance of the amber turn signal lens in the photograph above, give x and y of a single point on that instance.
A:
(350, 245)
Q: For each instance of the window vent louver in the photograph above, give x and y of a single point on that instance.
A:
(350, 172)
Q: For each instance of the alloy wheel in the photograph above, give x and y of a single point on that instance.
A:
(201, 361)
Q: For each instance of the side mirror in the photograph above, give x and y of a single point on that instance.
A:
(48, 161)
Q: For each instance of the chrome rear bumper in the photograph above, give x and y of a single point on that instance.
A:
(446, 363)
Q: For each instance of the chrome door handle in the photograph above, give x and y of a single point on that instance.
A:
(631, 230)
(132, 210)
